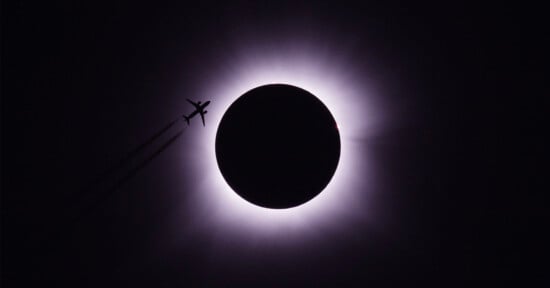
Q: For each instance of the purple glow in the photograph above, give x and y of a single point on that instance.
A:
(216, 213)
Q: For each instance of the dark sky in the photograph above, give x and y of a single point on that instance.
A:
(84, 84)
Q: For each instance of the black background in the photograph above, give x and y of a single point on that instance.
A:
(80, 86)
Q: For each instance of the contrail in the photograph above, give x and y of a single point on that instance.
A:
(87, 193)
(117, 175)
(129, 156)
(143, 163)
(59, 233)
(129, 175)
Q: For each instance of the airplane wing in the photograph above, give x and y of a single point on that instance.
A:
(202, 117)
(194, 104)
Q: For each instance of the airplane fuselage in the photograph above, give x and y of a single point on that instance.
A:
(199, 109)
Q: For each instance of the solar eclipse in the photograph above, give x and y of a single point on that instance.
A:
(277, 146)
(347, 94)
(398, 193)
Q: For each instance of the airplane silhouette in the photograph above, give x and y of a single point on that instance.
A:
(199, 109)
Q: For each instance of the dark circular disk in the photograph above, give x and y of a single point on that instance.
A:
(277, 146)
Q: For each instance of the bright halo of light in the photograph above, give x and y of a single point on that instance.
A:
(353, 104)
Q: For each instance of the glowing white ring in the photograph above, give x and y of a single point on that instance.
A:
(218, 210)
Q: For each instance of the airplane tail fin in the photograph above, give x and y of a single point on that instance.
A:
(186, 119)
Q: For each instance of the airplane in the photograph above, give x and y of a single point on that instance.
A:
(199, 109)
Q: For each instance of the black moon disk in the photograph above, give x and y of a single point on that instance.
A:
(277, 146)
